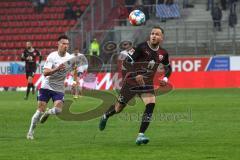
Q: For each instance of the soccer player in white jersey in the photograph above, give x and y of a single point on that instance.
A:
(53, 84)
(77, 75)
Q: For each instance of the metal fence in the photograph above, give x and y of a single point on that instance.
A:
(181, 37)
(187, 40)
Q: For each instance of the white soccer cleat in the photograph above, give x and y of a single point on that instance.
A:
(142, 139)
(75, 97)
(30, 136)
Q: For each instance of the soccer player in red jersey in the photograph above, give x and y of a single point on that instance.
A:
(141, 65)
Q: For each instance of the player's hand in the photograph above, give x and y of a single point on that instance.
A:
(140, 81)
(164, 81)
(29, 58)
(61, 67)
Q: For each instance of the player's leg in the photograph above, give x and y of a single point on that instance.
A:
(43, 98)
(28, 76)
(149, 101)
(57, 98)
(75, 90)
(125, 96)
(113, 109)
(32, 85)
(35, 118)
(80, 87)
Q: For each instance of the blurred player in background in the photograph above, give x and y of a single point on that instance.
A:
(141, 65)
(78, 76)
(30, 55)
(53, 84)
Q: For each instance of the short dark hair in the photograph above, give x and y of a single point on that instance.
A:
(158, 27)
(63, 37)
(76, 48)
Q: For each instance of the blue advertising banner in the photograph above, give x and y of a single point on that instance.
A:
(219, 63)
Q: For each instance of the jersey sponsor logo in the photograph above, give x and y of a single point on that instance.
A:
(146, 51)
(151, 64)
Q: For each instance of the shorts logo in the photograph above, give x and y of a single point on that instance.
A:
(121, 99)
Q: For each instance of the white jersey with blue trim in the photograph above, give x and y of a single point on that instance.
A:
(55, 81)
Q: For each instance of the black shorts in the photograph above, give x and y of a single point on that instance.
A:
(29, 74)
(30, 70)
(128, 91)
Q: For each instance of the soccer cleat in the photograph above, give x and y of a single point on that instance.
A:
(45, 116)
(30, 136)
(103, 122)
(75, 97)
(25, 98)
(142, 139)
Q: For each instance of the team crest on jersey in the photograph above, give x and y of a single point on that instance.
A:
(131, 51)
(160, 57)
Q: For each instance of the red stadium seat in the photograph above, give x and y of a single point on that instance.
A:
(72, 22)
(4, 18)
(43, 51)
(48, 44)
(11, 58)
(1, 57)
(5, 4)
(44, 30)
(18, 44)
(20, 23)
(17, 58)
(47, 16)
(64, 22)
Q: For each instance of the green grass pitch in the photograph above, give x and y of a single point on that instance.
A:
(189, 125)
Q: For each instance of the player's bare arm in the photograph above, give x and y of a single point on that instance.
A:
(168, 71)
(140, 80)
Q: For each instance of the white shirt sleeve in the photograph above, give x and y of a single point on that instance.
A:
(49, 63)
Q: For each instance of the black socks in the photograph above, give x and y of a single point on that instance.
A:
(30, 85)
(111, 111)
(28, 89)
(146, 117)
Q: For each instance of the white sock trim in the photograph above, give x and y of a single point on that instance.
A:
(54, 111)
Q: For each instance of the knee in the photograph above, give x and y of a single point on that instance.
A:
(29, 79)
(119, 107)
(41, 106)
